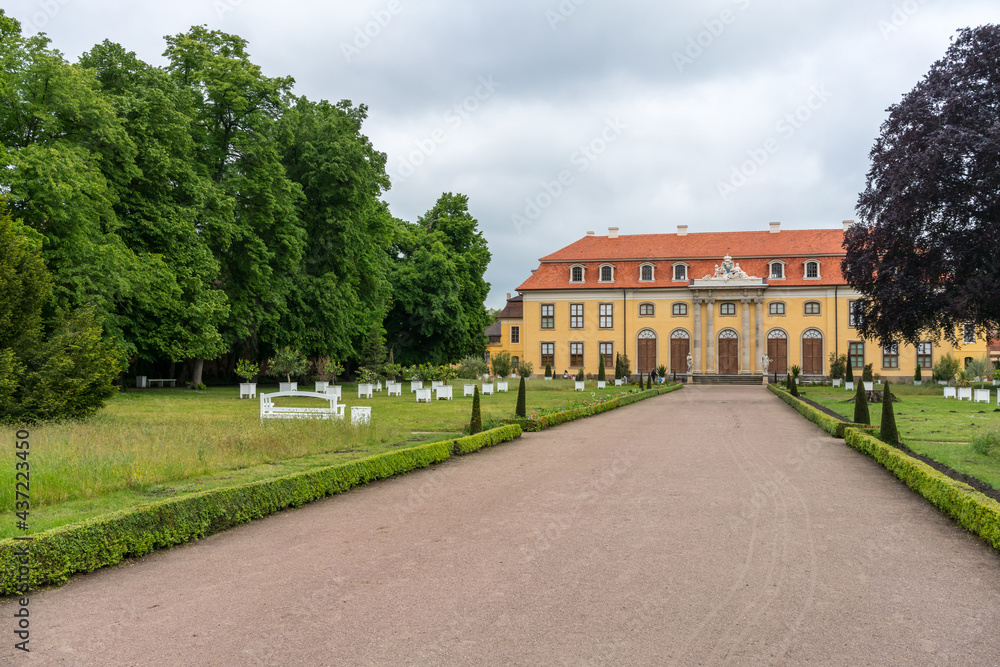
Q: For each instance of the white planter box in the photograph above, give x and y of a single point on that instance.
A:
(869, 386)
(288, 386)
(365, 390)
(333, 390)
(982, 396)
(140, 381)
(501, 386)
(836, 383)
(578, 385)
(361, 414)
(849, 386)
(321, 386)
(943, 382)
(487, 388)
(918, 382)
(424, 395)
(248, 389)
(378, 386)
(436, 383)
(548, 378)
(619, 382)
(394, 388)
(416, 384)
(470, 390)
(443, 392)
(965, 393)
(950, 392)
(601, 384)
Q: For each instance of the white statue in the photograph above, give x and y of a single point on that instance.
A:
(764, 361)
(690, 363)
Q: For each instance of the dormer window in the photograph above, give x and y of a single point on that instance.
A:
(607, 273)
(576, 274)
(777, 271)
(680, 272)
(646, 273)
(811, 270)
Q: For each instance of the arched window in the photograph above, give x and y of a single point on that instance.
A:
(576, 274)
(646, 351)
(679, 309)
(646, 273)
(607, 273)
(777, 270)
(777, 350)
(776, 308)
(812, 352)
(646, 310)
(680, 272)
(812, 308)
(811, 269)
(680, 347)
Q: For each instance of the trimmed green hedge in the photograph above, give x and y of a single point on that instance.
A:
(831, 425)
(974, 511)
(56, 554)
(556, 418)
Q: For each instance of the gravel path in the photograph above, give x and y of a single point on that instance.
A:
(708, 526)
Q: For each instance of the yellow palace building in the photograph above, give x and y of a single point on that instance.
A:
(717, 303)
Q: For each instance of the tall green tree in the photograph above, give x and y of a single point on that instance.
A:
(438, 314)
(235, 111)
(342, 288)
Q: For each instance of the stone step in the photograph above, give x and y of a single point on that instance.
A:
(756, 379)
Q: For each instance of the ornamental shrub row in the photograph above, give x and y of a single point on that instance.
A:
(831, 425)
(974, 511)
(55, 555)
(555, 418)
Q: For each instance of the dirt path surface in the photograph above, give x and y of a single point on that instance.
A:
(708, 526)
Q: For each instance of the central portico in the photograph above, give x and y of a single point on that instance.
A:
(728, 293)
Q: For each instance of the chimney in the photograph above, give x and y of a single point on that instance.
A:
(590, 233)
(508, 296)
(612, 232)
(682, 230)
(775, 227)
(848, 224)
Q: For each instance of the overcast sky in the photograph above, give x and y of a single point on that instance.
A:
(556, 118)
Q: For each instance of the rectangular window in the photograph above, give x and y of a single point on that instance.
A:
(680, 272)
(515, 335)
(608, 354)
(727, 309)
(856, 355)
(680, 309)
(548, 316)
(812, 270)
(968, 334)
(890, 356)
(645, 310)
(925, 356)
(647, 273)
(576, 316)
(576, 274)
(576, 355)
(607, 275)
(855, 316)
(548, 354)
(607, 319)
(776, 308)
(812, 308)
(778, 270)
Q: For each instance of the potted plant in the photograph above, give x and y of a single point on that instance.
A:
(525, 368)
(324, 370)
(849, 377)
(601, 375)
(548, 371)
(661, 373)
(867, 378)
(838, 367)
(247, 370)
(918, 378)
(580, 383)
(288, 361)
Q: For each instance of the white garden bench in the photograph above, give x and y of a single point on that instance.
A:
(487, 388)
(268, 410)
(393, 389)
(982, 396)
(965, 393)
(415, 385)
(470, 390)
(501, 386)
(361, 414)
(424, 395)
(950, 392)
(333, 390)
(365, 390)
(162, 381)
(443, 392)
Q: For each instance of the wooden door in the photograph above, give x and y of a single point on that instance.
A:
(812, 356)
(647, 355)
(777, 351)
(729, 351)
(679, 349)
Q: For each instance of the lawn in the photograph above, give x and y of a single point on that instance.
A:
(937, 427)
(158, 443)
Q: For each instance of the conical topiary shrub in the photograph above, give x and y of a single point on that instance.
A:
(849, 374)
(649, 381)
(476, 425)
(793, 386)
(600, 371)
(861, 414)
(618, 366)
(888, 430)
(548, 370)
(521, 409)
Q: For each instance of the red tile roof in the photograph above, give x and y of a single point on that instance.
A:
(514, 307)
(752, 250)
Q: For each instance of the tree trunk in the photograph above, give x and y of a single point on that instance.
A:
(196, 372)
